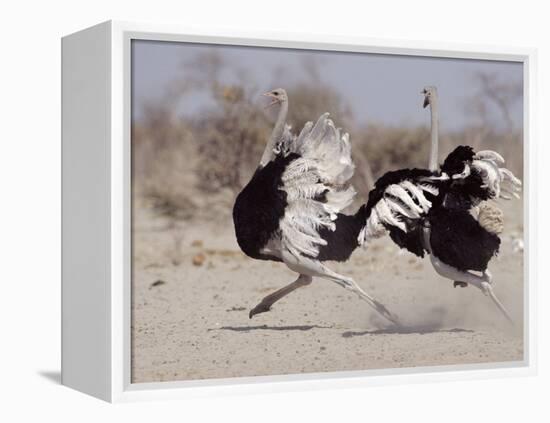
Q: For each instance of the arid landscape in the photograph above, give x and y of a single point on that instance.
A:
(193, 289)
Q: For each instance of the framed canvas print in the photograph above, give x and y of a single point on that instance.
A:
(260, 212)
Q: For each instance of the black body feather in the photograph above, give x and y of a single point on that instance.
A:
(460, 241)
(456, 160)
(411, 240)
(462, 193)
(457, 238)
(260, 206)
(343, 240)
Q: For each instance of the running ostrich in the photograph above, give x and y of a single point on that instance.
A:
(432, 211)
(290, 210)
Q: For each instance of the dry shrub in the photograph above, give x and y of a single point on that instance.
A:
(164, 160)
(194, 166)
(229, 141)
(308, 101)
(390, 148)
(189, 167)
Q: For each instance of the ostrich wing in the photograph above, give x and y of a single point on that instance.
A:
(397, 204)
(315, 184)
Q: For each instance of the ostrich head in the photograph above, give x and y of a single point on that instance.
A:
(430, 95)
(278, 95)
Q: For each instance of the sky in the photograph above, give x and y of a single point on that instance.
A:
(378, 88)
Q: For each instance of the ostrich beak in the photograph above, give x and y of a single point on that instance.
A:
(274, 101)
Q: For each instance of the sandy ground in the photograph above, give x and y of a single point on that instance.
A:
(193, 289)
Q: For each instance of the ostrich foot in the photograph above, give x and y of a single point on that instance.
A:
(260, 308)
(267, 302)
(484, 282)
(382, 309)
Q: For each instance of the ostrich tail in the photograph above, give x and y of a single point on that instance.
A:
(491, 218)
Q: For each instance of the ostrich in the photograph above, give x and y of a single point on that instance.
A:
(431, 210)
(290, 210)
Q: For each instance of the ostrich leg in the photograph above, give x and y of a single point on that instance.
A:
(484, 282)
(350, 284)
(310, 267)
(268, 301)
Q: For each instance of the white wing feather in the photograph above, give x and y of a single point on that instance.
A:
(404, 196)
(499, 180)
(315, 184)
(406, 200)
(418, 194)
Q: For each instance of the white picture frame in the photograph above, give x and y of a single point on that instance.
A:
(96, 213)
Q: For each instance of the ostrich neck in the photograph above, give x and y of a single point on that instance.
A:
(433, 164)
(276, 134)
